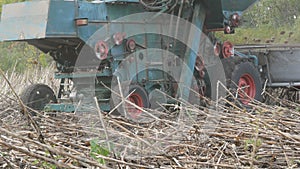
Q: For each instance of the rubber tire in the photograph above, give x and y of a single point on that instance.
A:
(246, 68)
(115, 100)
(36, 96)
(143, 94)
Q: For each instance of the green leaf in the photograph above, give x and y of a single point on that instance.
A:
(96, 149)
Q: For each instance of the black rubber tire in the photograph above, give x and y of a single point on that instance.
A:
(36, 96)
(142, 92)
(115, 99)
(239, 71)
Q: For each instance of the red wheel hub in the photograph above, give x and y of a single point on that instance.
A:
(247, 88)
(227, 49)
(132, 110)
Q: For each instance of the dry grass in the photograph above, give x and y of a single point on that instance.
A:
(265, 136)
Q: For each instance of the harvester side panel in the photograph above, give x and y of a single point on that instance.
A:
(217, 10)
(61, 19)
(26, 20)
(38, 20)
(284, 66)
(96, 13)
(237, 5)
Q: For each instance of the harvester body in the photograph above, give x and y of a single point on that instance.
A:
(91, 41)
(55, 18)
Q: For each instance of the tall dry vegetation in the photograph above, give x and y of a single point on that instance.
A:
(265, 136)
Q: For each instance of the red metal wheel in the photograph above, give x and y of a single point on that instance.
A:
(139, 97)
(227, 49)
(246, 83)
(247, 88)
(101, 50)
(132, 111)
(135, 94)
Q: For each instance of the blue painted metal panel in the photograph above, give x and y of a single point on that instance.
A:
(93, 12)
(26, 20)
(38, 20)
(116, 11)
(191, 55)
(60, 107)
(100, 14)
(61, 19)
(235, 6)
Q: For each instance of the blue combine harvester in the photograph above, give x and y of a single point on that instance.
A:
(161, 51)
